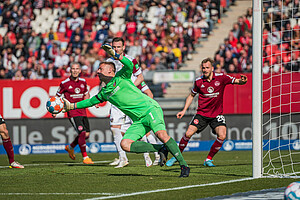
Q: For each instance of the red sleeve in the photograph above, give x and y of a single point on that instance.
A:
(60, 90)
(195, 88)
(227, 79)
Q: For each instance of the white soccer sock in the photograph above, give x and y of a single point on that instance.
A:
(117, 140)
(152, 140)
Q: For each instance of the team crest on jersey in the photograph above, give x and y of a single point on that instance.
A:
(80, 128)
(82, 86)
(70, 87)
(77, 90)
(217, 83)
(202, 86)
(196, 121)
(210, 89)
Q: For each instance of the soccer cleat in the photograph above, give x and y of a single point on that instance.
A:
(208, 163)
(16, 165)
(110, 51)
(88, 161)
(185, 171)
(163, 153)
(70, 151)
(115, 162)
(156, 161)
(171, 162)
(148, 161)
(122, 163)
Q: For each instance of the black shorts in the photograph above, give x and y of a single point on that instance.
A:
(1, 120)
(80, 124)
(202, 122)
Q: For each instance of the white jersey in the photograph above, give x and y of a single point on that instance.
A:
(119, 66)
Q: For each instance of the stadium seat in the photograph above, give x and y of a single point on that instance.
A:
(3, 31)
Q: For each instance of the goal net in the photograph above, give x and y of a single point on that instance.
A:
(280, 88)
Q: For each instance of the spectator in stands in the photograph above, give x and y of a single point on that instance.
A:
(102, 33)
(43, 54)
(2, 73)
(18, 76)
(88, 22)
(63, 25)
(51, 71)
(24, 22)
(8, 60)
(61, 59)
(75, 21)
(135, 50)
(53, 51)
(33, 42)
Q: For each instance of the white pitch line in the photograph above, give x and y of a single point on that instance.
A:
(31, 194)
(170, 189)
(47, 164)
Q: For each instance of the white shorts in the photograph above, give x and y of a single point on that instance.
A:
(127, 124)
(117, 117)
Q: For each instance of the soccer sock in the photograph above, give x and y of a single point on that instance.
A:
(175, 151)
(215, 148)
(183, 142)
(74, 143)
(9, 149)
(152, 140)
(82, 144)
(142, 147)
(117, 140)
(144, 139)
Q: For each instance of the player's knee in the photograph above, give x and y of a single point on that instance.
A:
(87, 135)
(125, 144)
(4, 133)
(222, 136)
(162, 135)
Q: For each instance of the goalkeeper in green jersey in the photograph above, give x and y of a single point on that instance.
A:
(145, 112)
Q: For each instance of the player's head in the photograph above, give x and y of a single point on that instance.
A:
(118, 45)
(207, 67)
(106, 71)
(75, 70)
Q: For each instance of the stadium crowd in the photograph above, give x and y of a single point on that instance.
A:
(281, 43)
(83, 26)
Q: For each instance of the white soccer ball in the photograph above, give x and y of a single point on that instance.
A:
(292, 191)
(55, 105)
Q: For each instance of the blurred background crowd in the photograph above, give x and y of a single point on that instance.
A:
(39, 39)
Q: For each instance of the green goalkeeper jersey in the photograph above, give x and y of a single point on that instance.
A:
(121, 92)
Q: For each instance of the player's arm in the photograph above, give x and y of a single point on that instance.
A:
(86, 96)
(82, 104)
(148, 93)
(127, 69)
(241, 81)
(188, 102)
(139, 80)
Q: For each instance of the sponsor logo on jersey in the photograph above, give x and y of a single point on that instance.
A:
(217, 83)
(77, 90)
(80, 128)
(70, 87)
(202, 86)
(196, 121)
(82, 86)
(210, 89)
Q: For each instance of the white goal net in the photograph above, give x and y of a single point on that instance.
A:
(280, 88)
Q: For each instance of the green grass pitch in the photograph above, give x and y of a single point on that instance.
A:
(55, 176)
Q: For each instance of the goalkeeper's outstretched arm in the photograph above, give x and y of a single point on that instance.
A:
(81, 104)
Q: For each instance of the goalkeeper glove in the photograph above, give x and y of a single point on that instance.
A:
(68, 106)
(110, 51)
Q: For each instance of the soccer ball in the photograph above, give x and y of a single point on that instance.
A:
(55, 105)
(292, 191)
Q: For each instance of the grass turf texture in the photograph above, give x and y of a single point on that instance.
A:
(63, 175)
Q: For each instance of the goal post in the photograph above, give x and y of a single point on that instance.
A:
(257, 89)
(276, 88)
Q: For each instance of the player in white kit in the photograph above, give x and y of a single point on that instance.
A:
(118, 121)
